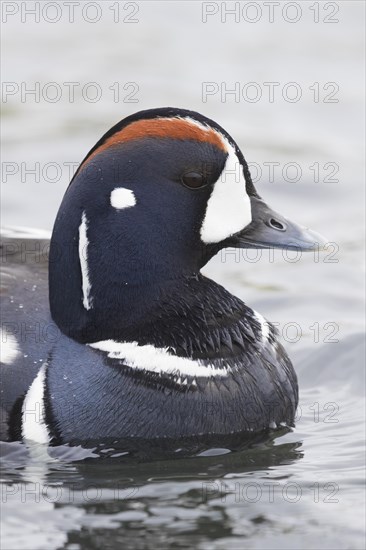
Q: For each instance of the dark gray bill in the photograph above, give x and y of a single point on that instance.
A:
(268, 229)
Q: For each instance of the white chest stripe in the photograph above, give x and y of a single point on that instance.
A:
(228, 209)
(158, 360)
(33, 413)
(83, 257)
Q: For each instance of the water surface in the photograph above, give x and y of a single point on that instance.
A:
(301, 489)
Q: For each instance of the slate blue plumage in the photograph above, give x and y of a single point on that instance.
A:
(145, 296)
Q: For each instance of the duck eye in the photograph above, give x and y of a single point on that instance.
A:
(194, 180)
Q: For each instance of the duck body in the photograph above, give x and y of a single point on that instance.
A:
(90, 394)
(137, 343)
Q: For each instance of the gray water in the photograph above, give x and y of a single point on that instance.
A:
(302, 489)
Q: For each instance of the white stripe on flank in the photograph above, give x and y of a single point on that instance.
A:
(83, 257)
(158, 360)
(8, 348)
(122, 198)
(228, 208)
(33, 413)
(264, 325)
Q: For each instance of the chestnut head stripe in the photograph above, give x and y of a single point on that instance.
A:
(172, 128)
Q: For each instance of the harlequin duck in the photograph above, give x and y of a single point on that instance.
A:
(135, 341)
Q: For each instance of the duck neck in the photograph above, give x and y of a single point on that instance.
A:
(100, 291)
(113, 309)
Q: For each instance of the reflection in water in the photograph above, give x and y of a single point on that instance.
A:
(302, 489)
(71, 490)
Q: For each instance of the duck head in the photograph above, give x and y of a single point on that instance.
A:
(159, 194)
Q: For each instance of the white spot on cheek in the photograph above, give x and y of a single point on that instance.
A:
(33, 414)
(83, 257)
(122, 198)
(228, 209)
(8, 348)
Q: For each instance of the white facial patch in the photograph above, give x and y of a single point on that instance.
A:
(8, 348)
(83, 257)
(122, 198)
(159, 360)
(228, 209)
(33, 413)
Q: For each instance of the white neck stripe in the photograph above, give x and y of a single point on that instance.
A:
(83, 257)
(157, 360)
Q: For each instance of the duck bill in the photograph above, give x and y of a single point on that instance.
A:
(268, 229)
